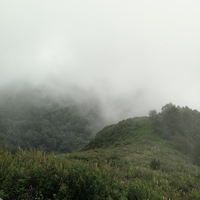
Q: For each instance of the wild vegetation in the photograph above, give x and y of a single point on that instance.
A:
(135, 159)
(181, 126)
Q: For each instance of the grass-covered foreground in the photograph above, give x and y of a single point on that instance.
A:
(124, 161)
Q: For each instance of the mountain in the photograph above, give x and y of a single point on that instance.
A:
(155, 158)
(32, 119)
(179, 126)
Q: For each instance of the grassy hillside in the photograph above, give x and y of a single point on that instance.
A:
(133, 143)
(123, 133)
(140, 156)
(128, 160)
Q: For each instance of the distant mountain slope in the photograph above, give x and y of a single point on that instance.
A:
(121, 133)
(30, 119)
(179, 127)
(145, 160)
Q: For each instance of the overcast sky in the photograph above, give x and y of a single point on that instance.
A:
(136, 55)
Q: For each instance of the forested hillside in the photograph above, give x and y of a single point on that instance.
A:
(31, 120)
(178, 125)
(181, 126)
(153, 158)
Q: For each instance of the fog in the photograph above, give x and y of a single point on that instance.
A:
(129, 56)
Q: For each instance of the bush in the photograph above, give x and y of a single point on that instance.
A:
(33, 175)
(196, 154)
(137, 191)
(82, 180)
(155, 164)
(182, 144)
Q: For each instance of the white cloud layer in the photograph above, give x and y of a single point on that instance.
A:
(136, 55)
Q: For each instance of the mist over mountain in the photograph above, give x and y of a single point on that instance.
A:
(33, 118)
(123, 57)
(93, 80)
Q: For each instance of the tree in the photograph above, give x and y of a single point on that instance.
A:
(152, 113)
(196, 153)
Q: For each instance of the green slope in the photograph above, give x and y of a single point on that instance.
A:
(133, 142)
(130, 160)
(139, 155)
(125, 132)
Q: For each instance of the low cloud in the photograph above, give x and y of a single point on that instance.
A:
(129, 56)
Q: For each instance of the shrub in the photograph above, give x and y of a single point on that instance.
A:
(82, 180)
(182, 144)
(33, 175)
(155, 164)
(137, 191)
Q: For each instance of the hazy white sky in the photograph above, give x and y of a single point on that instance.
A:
(136, 55)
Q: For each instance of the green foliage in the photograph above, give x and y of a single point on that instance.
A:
(43, 125)
(138, 191)
(2, 195)
(182, 144)
(81, 181)
(155, 164)
(114, 134)
(32, 174)
(119, 163)
(179, 125)
(196, 152)
(130, 148)
(152, 113)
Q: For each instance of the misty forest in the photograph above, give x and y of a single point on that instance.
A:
(28, 121)
(49, 150)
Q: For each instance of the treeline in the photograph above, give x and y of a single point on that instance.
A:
(29, 121)
(181, 125)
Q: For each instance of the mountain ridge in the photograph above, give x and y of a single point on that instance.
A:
(138, 158)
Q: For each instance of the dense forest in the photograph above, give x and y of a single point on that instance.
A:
(28, 120)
